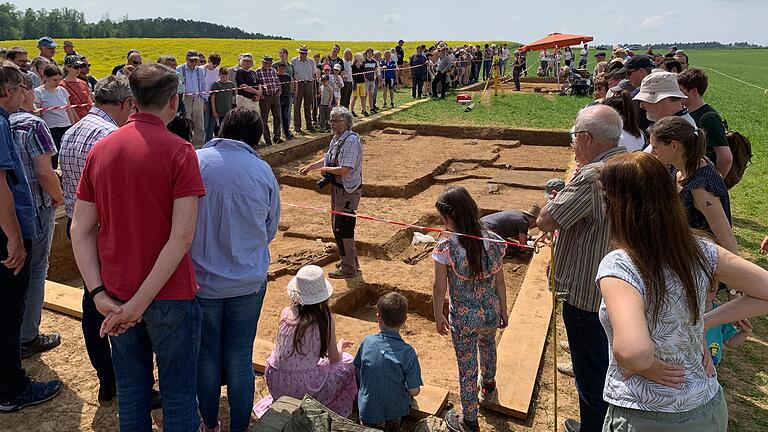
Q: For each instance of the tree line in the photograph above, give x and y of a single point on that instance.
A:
(685, 45)
(70, 23)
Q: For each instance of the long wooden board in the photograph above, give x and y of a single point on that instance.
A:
(63, 298)
(521, 347)
(430, 400)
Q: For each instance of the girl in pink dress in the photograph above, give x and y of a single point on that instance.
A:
(307, 359)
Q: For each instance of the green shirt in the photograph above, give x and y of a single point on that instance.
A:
(708, 119)
(223, 99)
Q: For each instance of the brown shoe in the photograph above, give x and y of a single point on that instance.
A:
(338, 274)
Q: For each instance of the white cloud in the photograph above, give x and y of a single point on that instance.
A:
(392, 19)
(607, 10)
(310, 22)
(298, 6)
(655, 22)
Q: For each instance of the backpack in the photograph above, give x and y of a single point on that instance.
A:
(741, 149)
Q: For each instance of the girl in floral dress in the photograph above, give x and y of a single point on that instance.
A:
(469, 271)
(307, 359)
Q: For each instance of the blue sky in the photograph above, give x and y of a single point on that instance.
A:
(636, 21)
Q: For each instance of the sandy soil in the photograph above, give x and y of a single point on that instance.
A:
(407, 173)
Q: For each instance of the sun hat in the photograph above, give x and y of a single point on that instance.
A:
(246, 56)
(267, 59)
(658, 86)
(68, 43)
(303, 49)
(533, 211)
(309, 286)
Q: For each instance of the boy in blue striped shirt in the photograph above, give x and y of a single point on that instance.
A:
(388, 368)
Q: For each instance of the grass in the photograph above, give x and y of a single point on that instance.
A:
(104, 54)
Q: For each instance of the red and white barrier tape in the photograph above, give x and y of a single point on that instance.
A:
(405, 224)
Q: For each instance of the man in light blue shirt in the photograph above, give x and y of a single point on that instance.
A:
(237, 219)
(195, 96)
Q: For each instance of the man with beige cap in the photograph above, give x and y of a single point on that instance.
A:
(661, 97)
(304, 75)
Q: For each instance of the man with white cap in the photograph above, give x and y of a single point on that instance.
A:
(661, 97)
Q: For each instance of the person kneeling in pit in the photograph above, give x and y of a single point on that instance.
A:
(342, 167)
(512, 225)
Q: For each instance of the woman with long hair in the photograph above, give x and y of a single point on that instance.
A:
(654, 286)
(701, 188)
(470, 271)
(632, 138)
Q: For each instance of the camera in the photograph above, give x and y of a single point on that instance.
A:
(325, 180)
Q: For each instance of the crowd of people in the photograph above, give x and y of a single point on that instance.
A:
(172, 242)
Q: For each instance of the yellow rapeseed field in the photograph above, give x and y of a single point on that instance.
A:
(104, 54)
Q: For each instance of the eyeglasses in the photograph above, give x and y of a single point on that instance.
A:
(135, 63)
(574, 134)
(333, 120)
(25, 87)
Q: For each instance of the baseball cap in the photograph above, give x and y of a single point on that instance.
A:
(337, 66)
(326, 67)
(600, 54)
(246, 56)
(73, 61)
(638, 62)
(46, 42)
(659, 86)
(192, 54)
(68, 43)
(554, 184)
(267, 59)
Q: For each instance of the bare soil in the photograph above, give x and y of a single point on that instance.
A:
(407, 172)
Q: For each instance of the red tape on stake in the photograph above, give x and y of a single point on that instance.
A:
(406, 225)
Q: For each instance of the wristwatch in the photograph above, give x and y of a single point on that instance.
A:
(96, 290)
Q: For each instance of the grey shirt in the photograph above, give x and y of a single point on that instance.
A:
(303, 70)
(347, 150)
(507, 224)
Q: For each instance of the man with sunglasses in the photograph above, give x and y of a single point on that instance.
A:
(85, 70)
(18, 227)
(582, 242)
(111, 110)
(133, 58)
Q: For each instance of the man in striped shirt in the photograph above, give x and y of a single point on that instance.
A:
(577, 213)
(113, 106)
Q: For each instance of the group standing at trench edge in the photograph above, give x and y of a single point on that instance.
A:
(160, 251)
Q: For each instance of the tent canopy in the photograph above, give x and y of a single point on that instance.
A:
(556, 40)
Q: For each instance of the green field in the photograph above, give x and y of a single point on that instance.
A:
(104, 54)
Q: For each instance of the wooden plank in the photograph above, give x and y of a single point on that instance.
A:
(429, 401)
(521, 347)
(63, 298)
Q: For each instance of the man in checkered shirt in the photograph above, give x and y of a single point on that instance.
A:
(344, 161)
(113, 106)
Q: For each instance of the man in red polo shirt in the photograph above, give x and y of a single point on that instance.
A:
(134, 220)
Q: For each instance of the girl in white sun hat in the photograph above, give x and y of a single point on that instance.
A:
(307, 359)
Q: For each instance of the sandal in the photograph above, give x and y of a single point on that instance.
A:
(456, 423)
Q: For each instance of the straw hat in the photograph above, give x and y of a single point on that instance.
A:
(309, 286)
(303, 49)
(533, 211)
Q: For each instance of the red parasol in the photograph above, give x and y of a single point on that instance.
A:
(556, 40)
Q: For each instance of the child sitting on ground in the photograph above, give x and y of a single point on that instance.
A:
(470, 270)
(388, 368)
(729, 335)
(307, 359)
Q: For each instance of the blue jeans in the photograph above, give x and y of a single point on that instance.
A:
(486, 69)
(171, 330)
(589, 355)
(38, 270)
(226, 350)
(210, 121)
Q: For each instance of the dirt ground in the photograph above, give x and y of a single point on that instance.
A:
(403, 176)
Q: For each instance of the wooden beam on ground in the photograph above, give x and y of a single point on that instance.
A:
(64, 298)
(521, 347)
(430, 400)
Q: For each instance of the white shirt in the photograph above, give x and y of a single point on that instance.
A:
(211, 76)
(630, 142)
(59, 97)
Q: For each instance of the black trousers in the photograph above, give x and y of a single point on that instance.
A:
(57, 134)
(13, 292)
(516, 77)
(418, 85)
(98, 348)
(440, 77)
